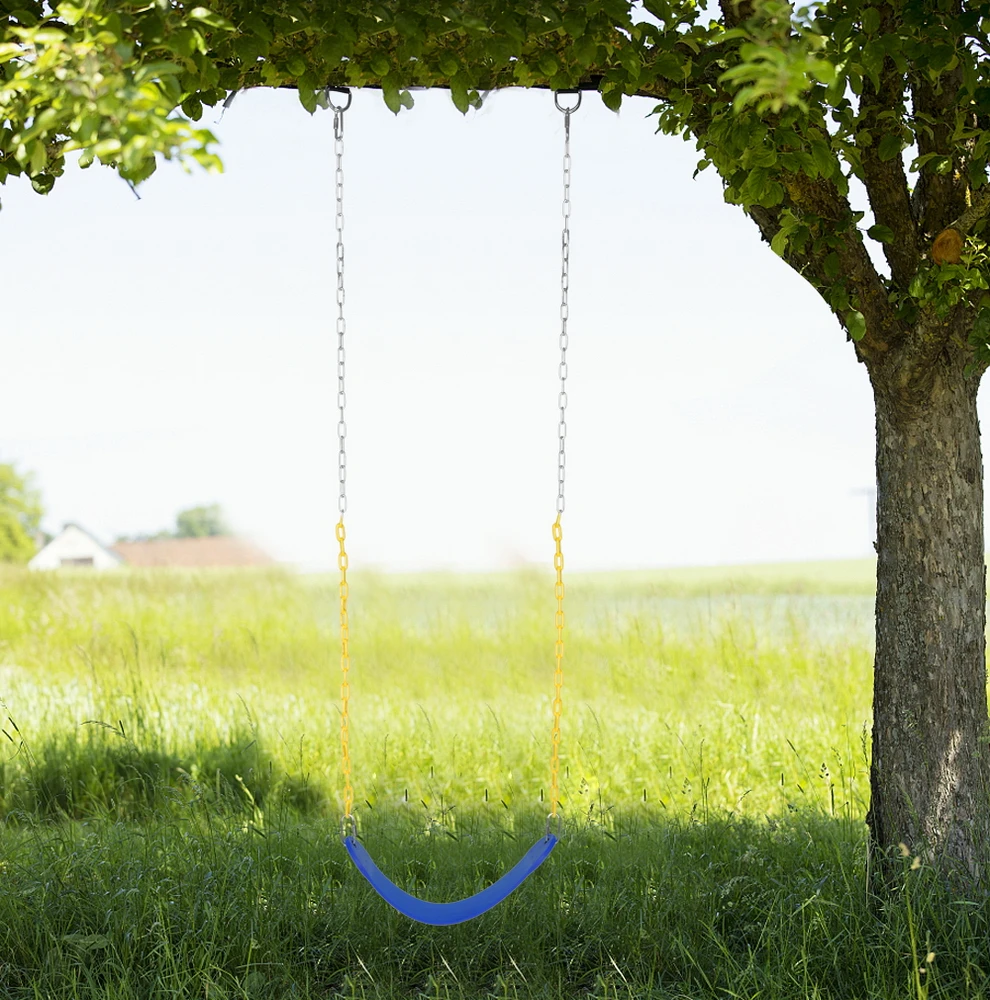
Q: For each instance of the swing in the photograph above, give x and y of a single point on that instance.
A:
(425, 912)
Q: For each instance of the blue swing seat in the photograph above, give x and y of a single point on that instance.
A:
(442, 914)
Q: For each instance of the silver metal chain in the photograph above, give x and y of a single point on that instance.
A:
(338, 149)
(565, 254)
(565, 264)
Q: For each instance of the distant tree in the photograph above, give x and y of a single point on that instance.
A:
(20, 515)
(201, 522)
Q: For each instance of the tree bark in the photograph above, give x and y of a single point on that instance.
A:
(930, 773)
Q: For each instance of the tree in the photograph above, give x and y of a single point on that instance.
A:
(195, 522)
(200, 522)
(789, 107)
(20, 516)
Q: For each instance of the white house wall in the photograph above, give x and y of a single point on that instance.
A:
(72, 547)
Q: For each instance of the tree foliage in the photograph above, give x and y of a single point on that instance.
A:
(788, 105)
(205, 521)
(20, 515)
(201, 522)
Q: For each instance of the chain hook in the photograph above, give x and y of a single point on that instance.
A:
(348, 827)
(559, 107)
(338, 111)
(340, 108)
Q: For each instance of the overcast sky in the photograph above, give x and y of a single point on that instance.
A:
(179, 349)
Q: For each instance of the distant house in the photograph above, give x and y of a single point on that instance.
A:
(75, 547)
(216, 551)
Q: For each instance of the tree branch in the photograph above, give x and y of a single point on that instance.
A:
(820, 198)
(938, 196)
(886, 181)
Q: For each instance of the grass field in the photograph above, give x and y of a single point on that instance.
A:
(169, 797)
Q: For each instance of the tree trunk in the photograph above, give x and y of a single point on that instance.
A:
(930, 768)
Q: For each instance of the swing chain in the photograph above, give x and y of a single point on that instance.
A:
(558, 558)
(565, 266)
(348, 826)
(338, 148)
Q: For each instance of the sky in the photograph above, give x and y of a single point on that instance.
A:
(180, 349)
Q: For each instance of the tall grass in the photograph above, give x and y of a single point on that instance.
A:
(670, 705)
(169, 796)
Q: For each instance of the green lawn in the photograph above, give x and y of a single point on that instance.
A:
(169, 798)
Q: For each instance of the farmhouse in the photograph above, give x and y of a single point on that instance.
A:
(76, 547)
(193, 553)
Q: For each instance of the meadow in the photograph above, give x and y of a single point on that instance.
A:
(170, 792)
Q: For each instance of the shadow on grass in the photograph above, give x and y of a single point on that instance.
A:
(99, 773)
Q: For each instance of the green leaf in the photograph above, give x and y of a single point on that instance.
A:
(779, 242)
(393, 99)
(257, 26)
(307, 97)
(574, 22)
(43, 183)
(250, 47)
(192, 107)
(919, 161)
(631, 62)
(333, 48)
(839, 297)
(831, 265)
(612, 99)
(459, 95)
(49, 36)
(69, 12)
(890, 146)
(668, 65)
(871, 20)
(39, 157)
(448, 64)
(586, 49)
(856, 324)
(824, 158)
(882, 234)
(156, 70)
(209, 18)
(941, 56)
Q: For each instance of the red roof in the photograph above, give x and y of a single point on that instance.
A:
(198, 553)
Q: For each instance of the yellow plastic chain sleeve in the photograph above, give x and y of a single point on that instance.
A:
(558, 676)
(345, 687)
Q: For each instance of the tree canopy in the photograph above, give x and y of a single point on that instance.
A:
(204, 521)
(787, 104)
(201, 522)
(20, 515)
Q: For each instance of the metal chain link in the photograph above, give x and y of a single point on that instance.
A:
(565, 265)
(338, 148)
